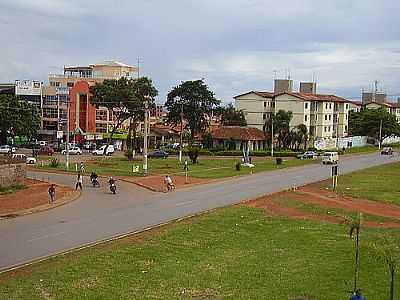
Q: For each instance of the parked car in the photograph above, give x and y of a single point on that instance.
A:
(330, 158)
(307, 154)
(23, 158)
(100, 151)
(46, 150)
(158, 154)
(42, 143)
(6, 149)
(387, 151)
(73, 151)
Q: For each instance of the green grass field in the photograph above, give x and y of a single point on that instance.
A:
(379, 183)
(206, 168)
(232, 253)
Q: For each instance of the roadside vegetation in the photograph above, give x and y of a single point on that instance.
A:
(204, 168)
(11, 189)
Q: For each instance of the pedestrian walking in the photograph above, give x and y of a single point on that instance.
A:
(79, 182)
(185, 166)
(82, 168)
(52, 193)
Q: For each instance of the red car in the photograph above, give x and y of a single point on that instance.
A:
(46, 150)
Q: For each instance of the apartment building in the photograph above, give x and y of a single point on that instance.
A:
(73, 86)
(326, 116)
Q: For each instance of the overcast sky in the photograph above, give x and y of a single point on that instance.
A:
(235, 45)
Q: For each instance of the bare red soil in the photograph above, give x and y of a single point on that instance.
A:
(315, 194)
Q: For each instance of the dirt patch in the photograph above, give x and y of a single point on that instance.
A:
(315, 194)
(156, 183)
(34, 198)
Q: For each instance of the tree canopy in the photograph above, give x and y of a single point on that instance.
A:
(231, 117)
(281, 121)
(198, 103)
(17, 117)
(368, 122)
(126, 98)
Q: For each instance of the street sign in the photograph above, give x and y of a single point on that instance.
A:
(334, 171)
(60, 134)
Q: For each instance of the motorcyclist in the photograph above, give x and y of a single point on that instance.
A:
(111, 181)
(113, 187)
(93, 176)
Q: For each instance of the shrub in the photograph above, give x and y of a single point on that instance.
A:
(278, 161)
(54, 162)
(193, 154)
(237, 166)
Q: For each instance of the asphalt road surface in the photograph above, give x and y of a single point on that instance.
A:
(99, 215)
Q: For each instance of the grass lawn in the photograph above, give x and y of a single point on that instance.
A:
(11, 189)
(364, 149)
(206, 168)
(232, 253)
(379, 183)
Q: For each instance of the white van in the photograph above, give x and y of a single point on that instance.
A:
(100, 151)
(330, 158)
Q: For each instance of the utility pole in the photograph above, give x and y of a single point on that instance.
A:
(181, 136)
(145, 138)
(272, 135)
(380, 135)
(67, 139)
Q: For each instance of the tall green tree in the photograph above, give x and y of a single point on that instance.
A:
(17, 117)
(281, 122)
(231, 117)
(126, 98)
(195, 101)
(368, 122)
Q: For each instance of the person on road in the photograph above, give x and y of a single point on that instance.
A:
(111, 181)
(358, 295)
(93, 179)
(79, 182)
(169, 183)
(185, 166)
(52, 193)
(82, 168)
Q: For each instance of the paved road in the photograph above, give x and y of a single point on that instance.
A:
(99, 215)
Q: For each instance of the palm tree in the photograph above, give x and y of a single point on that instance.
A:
(304, 134)
(388, 251)
(355, 227)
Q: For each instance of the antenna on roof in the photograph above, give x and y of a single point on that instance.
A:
(288, 76)
(275, 71)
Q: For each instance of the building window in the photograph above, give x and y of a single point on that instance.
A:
(329, 128)
(101, 115)
(324, 128)
(330, 105)
(326, 105)
(50, 113)
(70, 84)
(305, 118)
(264, 116)
(326, 117)
(316, 117)
(101, 128)
(347, 106)
(345, 128)
(330, 117)
(265, 104)
(306, 105)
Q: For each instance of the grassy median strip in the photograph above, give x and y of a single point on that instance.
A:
(378, 183)
(205, 168)
(232, 253)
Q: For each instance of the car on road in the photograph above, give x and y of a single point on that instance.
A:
(387, 151)
(307, 155)
(46, 150)
(100, 151)
(6, 149)
(23, 158)
(158, 154)
(73, 151)
(330, 158)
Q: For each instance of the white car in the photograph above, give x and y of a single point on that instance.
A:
(5, 149)
(23, 157)
(73, 151)
(330, 158)
(100, 151)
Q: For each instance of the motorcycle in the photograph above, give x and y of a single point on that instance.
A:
(95, 182)
(113, 188)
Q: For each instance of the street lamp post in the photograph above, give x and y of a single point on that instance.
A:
(181, 135)
(145, 138)
(67, 140)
